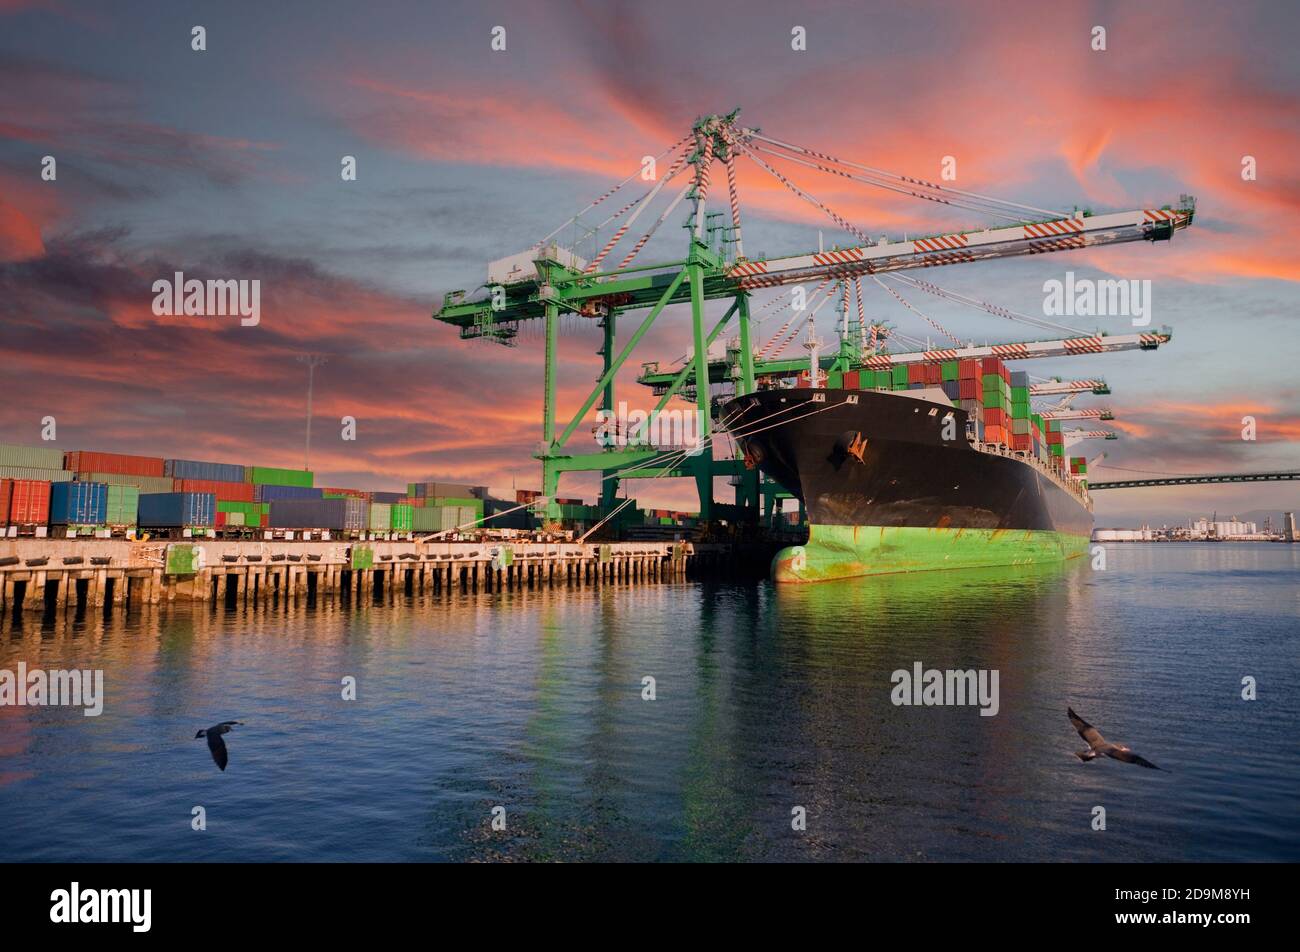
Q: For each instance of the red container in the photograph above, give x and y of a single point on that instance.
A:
(225, 492)
(1020, 441)
(995, 417)
(990, 365)
(968, 370)
(1055, 436)
(968, 388)
(29, 502)
(336, 491)
(85, 461)
(6, 490)
(934, 374)
(221, 517)
(916, 373)
(526, 495)
(852, 380)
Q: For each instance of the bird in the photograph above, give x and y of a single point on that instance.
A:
(215, 744)
(1098, 745)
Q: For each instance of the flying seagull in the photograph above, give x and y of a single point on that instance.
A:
(1098, 745)
(215, 744)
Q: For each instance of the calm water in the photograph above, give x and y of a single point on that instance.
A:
(766, 700)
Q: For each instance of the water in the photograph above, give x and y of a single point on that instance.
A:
(766, 700)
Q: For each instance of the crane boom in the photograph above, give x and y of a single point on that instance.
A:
(1048, 387)
(1067, 347)
(1062, 234)
(1078, 436)
(1077, 413)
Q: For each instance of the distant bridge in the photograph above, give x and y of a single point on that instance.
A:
(1197, 480)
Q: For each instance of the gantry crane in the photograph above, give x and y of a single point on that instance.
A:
(549, 280)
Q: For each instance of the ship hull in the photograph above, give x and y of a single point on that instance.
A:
(890, 484)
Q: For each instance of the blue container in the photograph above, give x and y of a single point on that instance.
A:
(387, 497)
(194, 469)
(1019, 378)
(176, 510)
(266, 492)
(78, 504)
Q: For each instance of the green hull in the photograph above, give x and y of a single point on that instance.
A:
(835, 552)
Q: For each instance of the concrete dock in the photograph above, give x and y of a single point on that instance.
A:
(65, 575)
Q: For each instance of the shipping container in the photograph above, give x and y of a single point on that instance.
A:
(41, 475)
(338, 491)
(78, 504)
(89, 461)
(222, 489)
(146, 484)
(30, 457)
(197, 469)
(278, 477)
(432, 488)
(426, 519)
(450, 516)
(899, 375)
(263, 492)
(380, 518)
(852, 380)
(342, 514)
(123, 501)
(387, 497)
(950, 370)
(400, 517)
(176, 510)
(29, 502)
(968, 370)
(6, 490)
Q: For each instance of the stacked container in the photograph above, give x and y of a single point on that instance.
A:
(196, 469)
(340, 514)
(145, 484)
(122, 504)
(177, 510)
(268, 492)
(29, 502)
(380, 518)
(88, 461)
(78, 504)
(278, 477)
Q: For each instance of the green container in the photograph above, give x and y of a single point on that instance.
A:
(426, 519)
(899, 375)
(1054, 426)
(381, 517)
(949, 370)
(995, 400)
(30, 457)
(122, 504)
(251, 509)
(26, 472)
(400, 515)
(1019, 411)
(270, 476)
(993, 382)
(1020, 394)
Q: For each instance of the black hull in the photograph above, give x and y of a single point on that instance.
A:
(908, 475)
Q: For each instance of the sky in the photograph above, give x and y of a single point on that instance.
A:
(225, 163)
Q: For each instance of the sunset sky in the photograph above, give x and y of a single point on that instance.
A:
(225, 163)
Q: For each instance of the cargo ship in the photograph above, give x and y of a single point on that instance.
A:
(908, 479)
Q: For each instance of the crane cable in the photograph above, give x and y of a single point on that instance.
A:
(975, 196)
